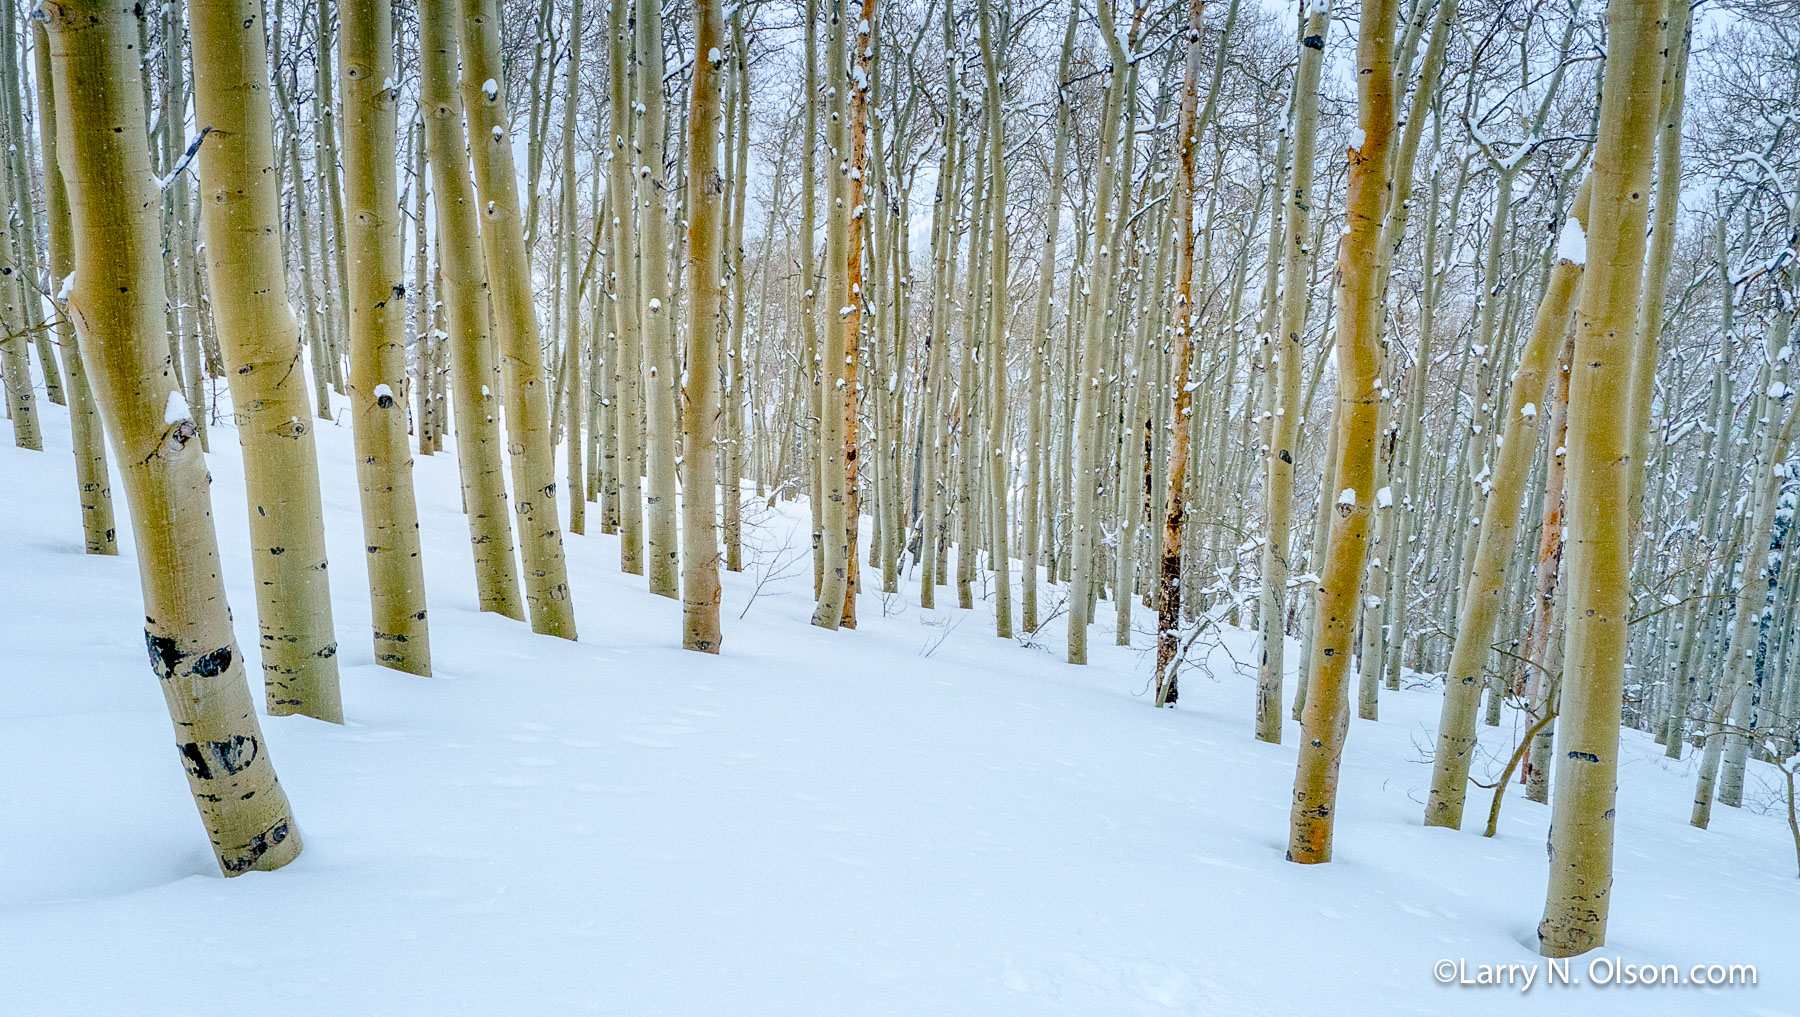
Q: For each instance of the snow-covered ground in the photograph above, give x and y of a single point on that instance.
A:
(915, 818)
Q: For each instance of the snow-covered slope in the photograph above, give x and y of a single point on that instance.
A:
(915, 818)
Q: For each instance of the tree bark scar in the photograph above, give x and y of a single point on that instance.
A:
(210, 760)
(259, 845)
(166, 658)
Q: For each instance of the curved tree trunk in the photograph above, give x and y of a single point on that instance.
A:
(91, 472)
(117, 301)
(509, 287)
(463, 296)
(1326, 717)
(1501, 515)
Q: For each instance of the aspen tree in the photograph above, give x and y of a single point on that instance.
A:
(999, 474)
(18, 163)
(812, 432)
(15, 326)
(1479, 607)
(1087, 379)
(325, 132)
(1599, 484)
(1285, 353)
(1326, 718)
(734, 353)
(1679, 30)
(261, 342)
(377, 358)
(464, 299)
(117, 300)
(1544, 625)
(834, 591)
(854, 165)
(1168, 621)
(660, 369)
(184, 311)
(1030, 521)
(573, 387)
(91, 472)
(509, 287)
(700, 394)
(933, 381)
(1729, 719)
(628, 383)
(420, 309)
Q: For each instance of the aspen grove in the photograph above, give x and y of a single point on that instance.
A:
(1342, 387)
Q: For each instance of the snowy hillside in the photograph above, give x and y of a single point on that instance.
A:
(914, 818)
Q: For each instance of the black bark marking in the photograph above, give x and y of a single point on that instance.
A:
(259, 845)
(163, 654)
(211, 665)
(207, 760)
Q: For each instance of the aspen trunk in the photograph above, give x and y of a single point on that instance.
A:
(735, 436)
(628, 384)
(660, 369)
(1285, 355)
(1545, 623)
(1326, 718)
(700, 395)
(261, 344)
(999, 473)
(1168, 620)
(1480, 605)
(91, 472)
(1599, 482)
(463, 296)
(1093, 337)
(117, 301)
(377, 357)
(424, 342)
(810, 359)
(18, 163)
(574, 388)
(834, 525)
(1679, 30)
(15, 327)
(509, 287)
(1030, 521)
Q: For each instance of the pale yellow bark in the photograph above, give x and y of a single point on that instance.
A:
(834, 511)
(1286, 351)
(1498, 538)
(515, 316)
(377, 299)
(1326, 716)
(15, 333)
(91, 471)
(1599, 474)
(118, 300)
(261, 342)
(463, 296)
